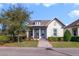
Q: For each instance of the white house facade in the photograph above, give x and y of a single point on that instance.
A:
(73, 28)
(38, 29)
(55, 29)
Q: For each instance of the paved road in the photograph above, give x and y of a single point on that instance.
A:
(70, 51)
(17, 51)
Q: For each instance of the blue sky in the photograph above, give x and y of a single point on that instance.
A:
(65, 12)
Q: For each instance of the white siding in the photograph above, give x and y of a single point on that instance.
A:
(78, 31)
(58, 26)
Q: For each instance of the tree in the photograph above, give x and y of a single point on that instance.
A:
(67, 35)
(14, 17)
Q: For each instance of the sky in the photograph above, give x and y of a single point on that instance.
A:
(65, 12)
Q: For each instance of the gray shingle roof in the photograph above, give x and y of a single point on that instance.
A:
(75, 23)
(42, 22)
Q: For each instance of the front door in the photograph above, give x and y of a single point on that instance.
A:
(43, 33)
(36, 33)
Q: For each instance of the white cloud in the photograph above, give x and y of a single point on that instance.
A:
(66, 24)
(48, 4)
(74, 13)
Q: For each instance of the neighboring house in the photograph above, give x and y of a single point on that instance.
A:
(74, 28)
(45, 28)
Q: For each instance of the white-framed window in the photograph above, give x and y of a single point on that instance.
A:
(37, 23)
(55, 32)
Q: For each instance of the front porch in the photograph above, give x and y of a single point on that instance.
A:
(36, 32)
(75, 31)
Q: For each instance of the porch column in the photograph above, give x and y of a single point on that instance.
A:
(33, 33)
(27, 33)
(39, 33)
(78, 31)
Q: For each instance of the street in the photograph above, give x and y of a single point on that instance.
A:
(27, 51)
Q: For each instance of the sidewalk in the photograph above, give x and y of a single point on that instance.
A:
(44, 43)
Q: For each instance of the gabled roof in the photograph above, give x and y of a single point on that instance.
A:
(44, 22)
(73, 24)
(56, 20)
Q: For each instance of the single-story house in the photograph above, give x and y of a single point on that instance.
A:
(74, 28)
(45, 28)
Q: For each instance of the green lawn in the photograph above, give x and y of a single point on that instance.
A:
(27, 43)
(65, 44)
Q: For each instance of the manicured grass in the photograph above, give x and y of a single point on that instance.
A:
(31, 43)
(65, 44)
(27, 43)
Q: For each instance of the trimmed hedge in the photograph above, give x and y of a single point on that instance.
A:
(4, 39)
(75, 39)
(55, 38)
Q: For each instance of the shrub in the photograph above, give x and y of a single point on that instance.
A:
(55, 38)
(15, 38)
(75, 39)
(67, 35)
(60, 38)
(52, 39)
(22, 38)
(4, 39)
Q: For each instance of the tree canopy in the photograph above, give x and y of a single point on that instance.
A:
(15, 18)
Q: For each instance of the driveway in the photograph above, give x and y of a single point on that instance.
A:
(21, 51)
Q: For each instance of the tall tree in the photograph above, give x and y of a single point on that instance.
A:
(14, 17)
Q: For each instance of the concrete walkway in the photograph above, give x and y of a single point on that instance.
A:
(44, 43)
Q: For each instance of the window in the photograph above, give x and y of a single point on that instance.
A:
(37, 23)
(55, 32)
